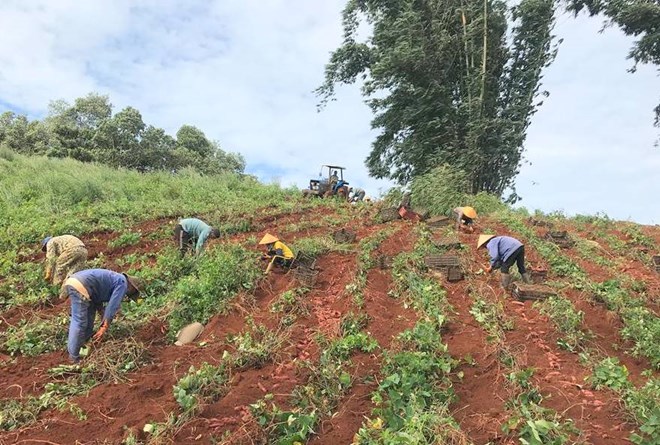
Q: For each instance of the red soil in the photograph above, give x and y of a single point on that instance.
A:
(113, 409)
(387, 318)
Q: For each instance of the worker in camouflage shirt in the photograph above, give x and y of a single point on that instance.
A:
(65, 255)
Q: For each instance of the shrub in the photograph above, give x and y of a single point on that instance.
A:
(220, 275)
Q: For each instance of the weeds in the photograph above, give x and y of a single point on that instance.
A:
(125, 239)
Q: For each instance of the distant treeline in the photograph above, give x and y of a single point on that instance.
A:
(89, 131)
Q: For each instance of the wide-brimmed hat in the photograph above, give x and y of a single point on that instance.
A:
(469, 212)
(268, 239)
(137, 282)
(483, 239)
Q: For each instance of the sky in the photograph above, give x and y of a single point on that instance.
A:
(244, 72)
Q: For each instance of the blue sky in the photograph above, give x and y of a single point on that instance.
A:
(244, 71)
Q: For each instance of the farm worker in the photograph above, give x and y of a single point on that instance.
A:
(465, 217)
(193, 231)
(65, 255)
(358, 194)
(334, 178)
(277, 250)
(504, 251)
(89, 290)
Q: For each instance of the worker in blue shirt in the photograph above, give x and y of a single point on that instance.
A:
(193, 232)
(89, 291)
(504, 251)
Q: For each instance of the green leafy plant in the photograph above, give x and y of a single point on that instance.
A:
(200, 385)
(283, 427)
(255, 347)
(36, 336)
(346, 345)
(220, 275)
(611, 374)
(125, 239)
(569, 321)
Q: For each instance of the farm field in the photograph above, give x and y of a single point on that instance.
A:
(373, 347)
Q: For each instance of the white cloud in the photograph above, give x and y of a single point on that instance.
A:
(244, 72)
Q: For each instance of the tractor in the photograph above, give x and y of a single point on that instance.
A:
(323, 187)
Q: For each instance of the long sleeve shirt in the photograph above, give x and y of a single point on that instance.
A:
(198, 230)
(501, 248)
(104, 286)
(281, 249)
(58, 245)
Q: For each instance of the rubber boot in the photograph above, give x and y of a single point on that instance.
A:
(506, 281)
(527, 278)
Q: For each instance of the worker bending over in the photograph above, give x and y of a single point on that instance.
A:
(358, 194)
(504, 251)
(65, 255)
(90, 290)
(465, 217)
(277, 251)
(193, 232)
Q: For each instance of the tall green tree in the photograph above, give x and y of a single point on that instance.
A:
(117, 139)
(193, 139)
(638, 18)
(75, 126)
(450, 82)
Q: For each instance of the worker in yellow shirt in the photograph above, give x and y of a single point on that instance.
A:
(277, 251)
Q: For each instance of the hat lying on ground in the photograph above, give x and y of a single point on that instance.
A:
(188, 333)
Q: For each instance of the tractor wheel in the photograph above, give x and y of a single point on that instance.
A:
(343, 194)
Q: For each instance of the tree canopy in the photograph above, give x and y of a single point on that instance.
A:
(638, 18)
(88, 131)
(450, 82)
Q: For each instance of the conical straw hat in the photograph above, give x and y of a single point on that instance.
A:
(483, 239)
(268, 238)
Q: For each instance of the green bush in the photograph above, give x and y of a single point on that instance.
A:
(220, 275)
(125, 239)
(34, 337)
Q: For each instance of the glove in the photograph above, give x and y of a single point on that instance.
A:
(99, 334)
(48, 275)
(489, 269)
